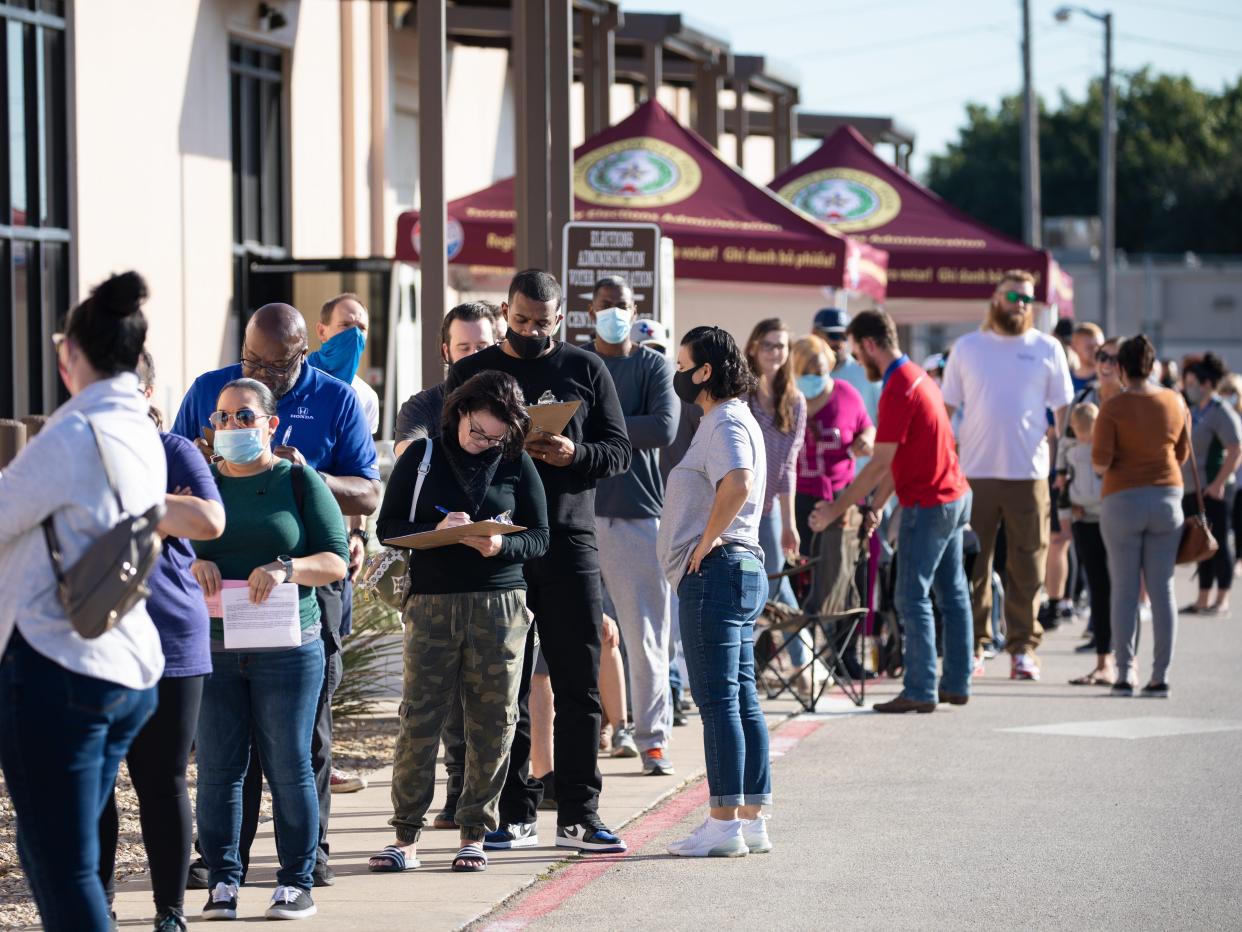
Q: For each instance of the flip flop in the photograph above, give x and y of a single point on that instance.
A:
(1094, 678)
(470, 853)
(396, 861)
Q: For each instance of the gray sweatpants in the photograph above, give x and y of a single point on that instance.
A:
(1142, 528)
(637, 587)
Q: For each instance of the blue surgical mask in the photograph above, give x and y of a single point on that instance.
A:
(613, 325)
(340, 356)
(240, 446)
(812, 386)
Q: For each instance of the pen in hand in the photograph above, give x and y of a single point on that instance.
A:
(288, 432)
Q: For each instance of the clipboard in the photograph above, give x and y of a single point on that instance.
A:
(429, 540)
(551, 418)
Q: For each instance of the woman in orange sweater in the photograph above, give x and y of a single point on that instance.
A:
(1138, 446)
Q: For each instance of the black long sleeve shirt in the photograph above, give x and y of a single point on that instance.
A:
(597, 429)
(516, 488)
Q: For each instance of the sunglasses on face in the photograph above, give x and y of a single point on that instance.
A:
(243, 418)
(478, 436)
(1102, 356)
(1017, 297)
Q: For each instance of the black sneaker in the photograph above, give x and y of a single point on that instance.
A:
(197, 878)
(322, 875)
(1156, 691)
(222, 904)
(1047, 616)
(291, 903)
(1122, 689)
(589, 836)
(170, 919)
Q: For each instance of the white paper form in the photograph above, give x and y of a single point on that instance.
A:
(276, 622)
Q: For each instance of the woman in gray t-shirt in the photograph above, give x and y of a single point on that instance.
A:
(709, 548)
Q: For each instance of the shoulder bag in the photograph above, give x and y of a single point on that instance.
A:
(1197, 542)
(387, 574)
(110, 577)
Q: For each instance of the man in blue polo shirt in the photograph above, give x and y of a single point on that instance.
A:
(322, 428)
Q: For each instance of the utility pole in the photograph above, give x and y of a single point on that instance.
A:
(1108, 190)
(1032, 213)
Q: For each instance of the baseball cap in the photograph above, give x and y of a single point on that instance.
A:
(648, 332)
(933, 362)
(831, 320)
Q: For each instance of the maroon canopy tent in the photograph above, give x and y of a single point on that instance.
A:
(650, 169)
(935, 251)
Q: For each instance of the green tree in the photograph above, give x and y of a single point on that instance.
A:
(1179, 164)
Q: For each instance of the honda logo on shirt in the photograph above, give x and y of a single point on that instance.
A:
(304, 414)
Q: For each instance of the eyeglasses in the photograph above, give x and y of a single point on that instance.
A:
(244, 418)
(478, 435)
(1110, 358)
(278, 371)
(1017, 297)
(767, 347)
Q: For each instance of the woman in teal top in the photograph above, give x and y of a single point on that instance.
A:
(282, 525)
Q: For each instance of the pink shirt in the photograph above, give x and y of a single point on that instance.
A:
(825, 465)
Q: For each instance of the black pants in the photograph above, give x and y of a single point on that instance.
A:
(1089, 543)
(563, 590)
(1218, 568)
(331, 601)
(157, 760)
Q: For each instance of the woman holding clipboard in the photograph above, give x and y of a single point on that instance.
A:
(465, 618)
(280, 527)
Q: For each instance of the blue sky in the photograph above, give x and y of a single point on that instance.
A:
(922, 61)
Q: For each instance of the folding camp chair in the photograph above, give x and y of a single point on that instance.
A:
(831, 612)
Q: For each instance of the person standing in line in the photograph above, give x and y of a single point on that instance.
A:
(158, 757)
(1217, 436)
(709, 548)
(465, 618)
(70, 706)
(563, 586)
(830, 326)
(1006, 376)
(1230, 391)
(915, 456)
(325, 430)
(627, 520)
(1141, 437)
(342, 330)
(466, 329)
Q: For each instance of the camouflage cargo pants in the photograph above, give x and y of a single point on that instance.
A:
(472, 641)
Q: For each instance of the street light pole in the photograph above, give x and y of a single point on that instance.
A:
(1108, 174)
(1030, 140)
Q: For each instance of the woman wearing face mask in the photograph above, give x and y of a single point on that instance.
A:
(465, 619)
(1217, 437)
(709, 548)
(69, 705)
(281, 527)
(838, 429)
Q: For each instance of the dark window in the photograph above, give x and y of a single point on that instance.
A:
(260, 166)
(34, 209)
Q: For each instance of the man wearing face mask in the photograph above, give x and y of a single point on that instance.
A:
(563, 586)
(322, 428)
(627, 516)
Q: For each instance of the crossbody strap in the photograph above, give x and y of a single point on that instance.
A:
(423, 468)
(1194, 465)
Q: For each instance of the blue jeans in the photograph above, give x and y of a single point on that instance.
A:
(770, 527)
(62, 737)
(929, 559)
(718, 607)
(271, 695)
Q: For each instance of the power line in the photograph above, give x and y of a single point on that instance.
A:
(1180, 46)
(907, 40)
(1186, 10)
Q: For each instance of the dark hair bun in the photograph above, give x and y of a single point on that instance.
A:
(121, 295)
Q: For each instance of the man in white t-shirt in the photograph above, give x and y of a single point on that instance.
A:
(1006, 377)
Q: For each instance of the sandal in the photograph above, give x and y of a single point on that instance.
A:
(470, 859)
(395, 861)
(1094, 678)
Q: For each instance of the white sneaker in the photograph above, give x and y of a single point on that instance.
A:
(715, 838)
(755, 834)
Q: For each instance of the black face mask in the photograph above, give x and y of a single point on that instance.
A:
(527, 347)
(684, 386)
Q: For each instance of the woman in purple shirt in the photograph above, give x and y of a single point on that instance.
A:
(838, 429)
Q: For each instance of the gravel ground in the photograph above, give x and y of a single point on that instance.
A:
(361, 745)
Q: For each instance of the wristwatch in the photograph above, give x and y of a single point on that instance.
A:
(362, 534)
(287, 562)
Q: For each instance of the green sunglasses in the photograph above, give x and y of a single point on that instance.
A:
(1017, 297)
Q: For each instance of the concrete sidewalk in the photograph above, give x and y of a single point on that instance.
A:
(433, 897)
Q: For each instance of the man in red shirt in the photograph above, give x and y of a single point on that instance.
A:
(915, 456)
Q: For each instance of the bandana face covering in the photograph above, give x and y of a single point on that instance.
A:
(339, 357)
